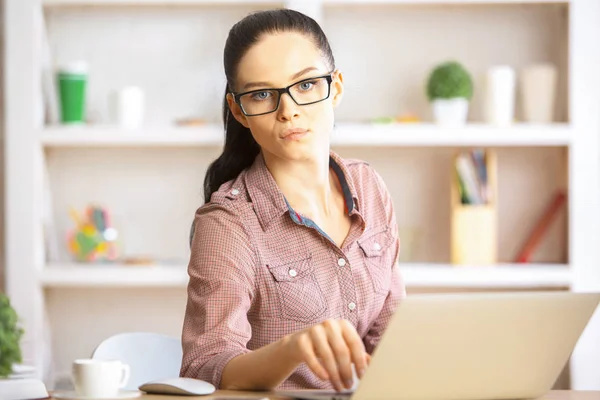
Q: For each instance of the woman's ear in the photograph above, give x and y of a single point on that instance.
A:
(236, 111)
(337, 88)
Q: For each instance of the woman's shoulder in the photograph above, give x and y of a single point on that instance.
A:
(363, 175)
(231, 195)
(225, 212)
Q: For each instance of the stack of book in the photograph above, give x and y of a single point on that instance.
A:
(20, 371)
(472, 176)
(22, 384)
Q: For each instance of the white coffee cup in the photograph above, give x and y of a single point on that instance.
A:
(99, 378)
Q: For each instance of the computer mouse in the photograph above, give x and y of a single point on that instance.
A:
(180, 386)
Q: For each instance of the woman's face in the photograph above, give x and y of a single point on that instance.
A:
(292, 132)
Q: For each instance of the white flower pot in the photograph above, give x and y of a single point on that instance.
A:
(450, 111)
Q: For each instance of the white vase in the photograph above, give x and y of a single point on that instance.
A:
(450, 111)
(499, 103)
(127, 107)
(538, 92)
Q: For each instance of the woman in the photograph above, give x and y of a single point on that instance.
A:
(293, 273)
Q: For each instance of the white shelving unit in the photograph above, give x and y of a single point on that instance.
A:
(57, 3)
(415, 276)
(441, 2)
(345, 135)
(43, 290)
(161, 3)
(113, 276)
(432, 135)
(110, 136)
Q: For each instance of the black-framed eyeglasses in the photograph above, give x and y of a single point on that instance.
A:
(265, 101)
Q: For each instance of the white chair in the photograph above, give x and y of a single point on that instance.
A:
(149, 355)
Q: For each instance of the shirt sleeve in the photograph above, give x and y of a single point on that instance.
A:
(219, 294)
(397, 288)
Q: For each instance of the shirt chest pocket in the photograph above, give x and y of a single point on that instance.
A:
(298, 291)
(378, 253)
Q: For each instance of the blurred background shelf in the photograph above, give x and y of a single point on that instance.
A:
(61, 3)
(100, 136)
(443, 2)
(114, 275)
(48, 3)
(423, 134)
(345, 134)
(502, 276)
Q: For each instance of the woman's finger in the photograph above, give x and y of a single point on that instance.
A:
(310, 358)
(340, 351)
(356, 346)
(322, 349)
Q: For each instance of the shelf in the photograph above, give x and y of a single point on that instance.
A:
(515, 276)
(81, 275)
(469, 135)
(415, 275)
(55, 3)
(107, 136)
(165, 3)
(440, 2)
(345, 134)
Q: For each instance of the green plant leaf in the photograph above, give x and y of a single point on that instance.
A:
(10, 337)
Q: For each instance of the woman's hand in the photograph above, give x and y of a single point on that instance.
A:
(329, 349)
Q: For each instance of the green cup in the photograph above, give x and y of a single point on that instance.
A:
(72, 83)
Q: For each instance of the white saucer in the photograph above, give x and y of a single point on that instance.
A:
(71, 395)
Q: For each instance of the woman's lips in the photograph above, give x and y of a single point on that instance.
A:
(294, 134)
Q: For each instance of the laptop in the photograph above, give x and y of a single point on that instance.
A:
(502, 345)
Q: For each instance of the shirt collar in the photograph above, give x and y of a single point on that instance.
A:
(269, 202)
(339, 166)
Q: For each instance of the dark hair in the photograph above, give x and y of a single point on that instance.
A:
(240, 148)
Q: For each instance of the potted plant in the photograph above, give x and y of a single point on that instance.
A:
(10, 337)
(449, 90)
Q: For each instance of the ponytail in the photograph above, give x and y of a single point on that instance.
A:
(239, 153)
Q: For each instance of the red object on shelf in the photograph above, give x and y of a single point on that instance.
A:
(541, 228)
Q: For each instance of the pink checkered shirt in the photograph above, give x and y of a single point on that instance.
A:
(259, 271)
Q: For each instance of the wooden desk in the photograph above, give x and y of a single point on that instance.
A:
(225, 394)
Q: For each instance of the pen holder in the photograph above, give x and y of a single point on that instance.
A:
(474, 222)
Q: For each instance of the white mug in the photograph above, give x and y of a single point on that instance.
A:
(99, 378)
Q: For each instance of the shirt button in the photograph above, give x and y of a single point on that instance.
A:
(341, 262)
(351, 306)
(377, 246)
(293, 273)
(235, 192)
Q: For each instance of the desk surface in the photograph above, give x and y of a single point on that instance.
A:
(232, 395)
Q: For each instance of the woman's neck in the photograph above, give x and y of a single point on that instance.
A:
(307, 185)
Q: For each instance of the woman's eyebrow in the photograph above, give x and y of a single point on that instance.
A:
(251, 85)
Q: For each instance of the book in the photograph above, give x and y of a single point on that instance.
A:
(472, 177)
(541, 227)
(23, 389)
